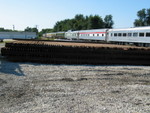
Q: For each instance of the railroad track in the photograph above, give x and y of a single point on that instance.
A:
(64, 52)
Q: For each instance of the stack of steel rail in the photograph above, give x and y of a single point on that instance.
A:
(75, 53)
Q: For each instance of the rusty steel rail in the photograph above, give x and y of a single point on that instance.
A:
(75, 53)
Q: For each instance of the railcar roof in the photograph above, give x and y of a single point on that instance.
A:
(92, 30)
(132, 29)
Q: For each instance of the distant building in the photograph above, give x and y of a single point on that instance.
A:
(17, 35)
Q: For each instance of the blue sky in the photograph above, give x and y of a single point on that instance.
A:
(45, 13)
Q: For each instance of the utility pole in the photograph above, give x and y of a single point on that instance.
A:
(36, 26)
(13, 27)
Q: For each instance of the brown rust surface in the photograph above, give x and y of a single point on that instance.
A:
(76, 53)
(75, 44)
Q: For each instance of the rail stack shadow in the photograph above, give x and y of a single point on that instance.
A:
(14, 68)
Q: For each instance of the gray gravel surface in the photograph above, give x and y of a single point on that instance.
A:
(44, 88)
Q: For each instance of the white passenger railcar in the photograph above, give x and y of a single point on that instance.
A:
(72, 35)
(49, 35)
(95, 34)
(138, 35)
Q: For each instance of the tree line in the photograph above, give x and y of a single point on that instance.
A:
(6, 30)
(28, 29)
(81, 22)
(143, 18)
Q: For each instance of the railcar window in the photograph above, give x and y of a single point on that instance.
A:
(115, 34)
(141, 34)
(147, 34)
(135, 34)
(119, 34)
(129, 34)
(102, 34)
(124, 34)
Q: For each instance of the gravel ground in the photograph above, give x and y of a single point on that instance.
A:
(43, 88)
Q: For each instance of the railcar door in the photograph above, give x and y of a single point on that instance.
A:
(107, 35)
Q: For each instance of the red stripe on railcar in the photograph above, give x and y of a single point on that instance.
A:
(92, 32)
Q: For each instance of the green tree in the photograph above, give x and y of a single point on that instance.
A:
(138, 22)
(45, 31)
(28, 29)
(108, 21)
(143, 18)
(95, 22)
(7, 30)
(58, 26)
(81, 22)
(148, 16)
(2, 29)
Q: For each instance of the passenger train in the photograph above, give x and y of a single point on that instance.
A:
(139, 36)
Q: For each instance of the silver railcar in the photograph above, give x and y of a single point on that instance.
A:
(95, 34)
(138, 35)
